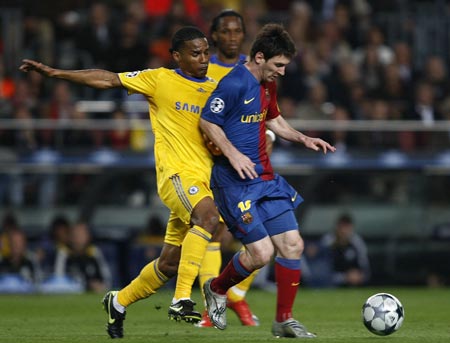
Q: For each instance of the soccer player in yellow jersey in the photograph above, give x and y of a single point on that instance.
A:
(183, 167)
(227, 33)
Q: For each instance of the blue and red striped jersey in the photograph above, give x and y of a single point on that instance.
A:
(240, 105)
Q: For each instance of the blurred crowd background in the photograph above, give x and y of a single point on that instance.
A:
(80, 156)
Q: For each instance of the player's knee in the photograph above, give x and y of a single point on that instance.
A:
(208, 221)
(293, 248)
(262, 256)
(206, 215)
(220, 233)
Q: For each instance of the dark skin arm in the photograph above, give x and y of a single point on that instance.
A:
(96, 78)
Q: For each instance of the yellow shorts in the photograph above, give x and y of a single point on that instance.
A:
(181, 192)
(176, 230)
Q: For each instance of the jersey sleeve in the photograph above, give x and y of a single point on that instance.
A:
(143, 81)
(221, 100)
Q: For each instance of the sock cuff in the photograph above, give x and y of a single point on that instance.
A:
(294, 264)
(199, 231)
(213, 246)
(239, 267)
(160, 275)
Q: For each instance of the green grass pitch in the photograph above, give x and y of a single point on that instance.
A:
(334, 315)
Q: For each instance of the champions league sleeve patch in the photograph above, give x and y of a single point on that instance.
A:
(132, 74)
(217, 105)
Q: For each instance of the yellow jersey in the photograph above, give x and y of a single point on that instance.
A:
(175, 104)
(217, 69)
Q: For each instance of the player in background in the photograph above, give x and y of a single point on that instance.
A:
(256, 204)
(227, 33)
(183, 168)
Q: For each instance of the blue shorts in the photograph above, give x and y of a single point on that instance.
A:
(261, 209)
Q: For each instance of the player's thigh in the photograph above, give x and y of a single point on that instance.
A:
(176, 230)
(182, 192)
(285, 235)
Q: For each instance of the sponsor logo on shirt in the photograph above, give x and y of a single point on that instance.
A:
(246, 102)
(253, 118)
(184, 106)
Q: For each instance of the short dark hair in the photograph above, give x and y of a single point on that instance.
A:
(183, 35)
(345, 218)
(273, 40)
(225, 13)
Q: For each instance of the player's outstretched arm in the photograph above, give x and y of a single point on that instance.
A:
(96, 78)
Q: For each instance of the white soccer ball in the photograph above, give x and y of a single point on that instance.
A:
(383, 314)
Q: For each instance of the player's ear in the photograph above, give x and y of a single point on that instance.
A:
(176, 56)
(259, 57)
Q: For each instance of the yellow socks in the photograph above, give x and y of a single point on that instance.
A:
(238, 292)
(211, 264)
(144, 285)
(193, 251)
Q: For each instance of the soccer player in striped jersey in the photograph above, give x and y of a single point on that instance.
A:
(227, 33)
(256, 203)
(183, 168)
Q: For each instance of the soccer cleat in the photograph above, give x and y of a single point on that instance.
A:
(290, 328)
(205, 322)
(244, 313)
(216, 305)
(114, 327)
(184, 310)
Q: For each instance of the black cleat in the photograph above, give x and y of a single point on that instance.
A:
(114, 327)
(184, 310)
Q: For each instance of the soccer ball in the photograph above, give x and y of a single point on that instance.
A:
(383, 314)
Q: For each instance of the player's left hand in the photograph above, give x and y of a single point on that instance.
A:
(318, 144)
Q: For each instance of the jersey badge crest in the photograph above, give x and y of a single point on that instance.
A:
(247, 218)
(193, 190)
